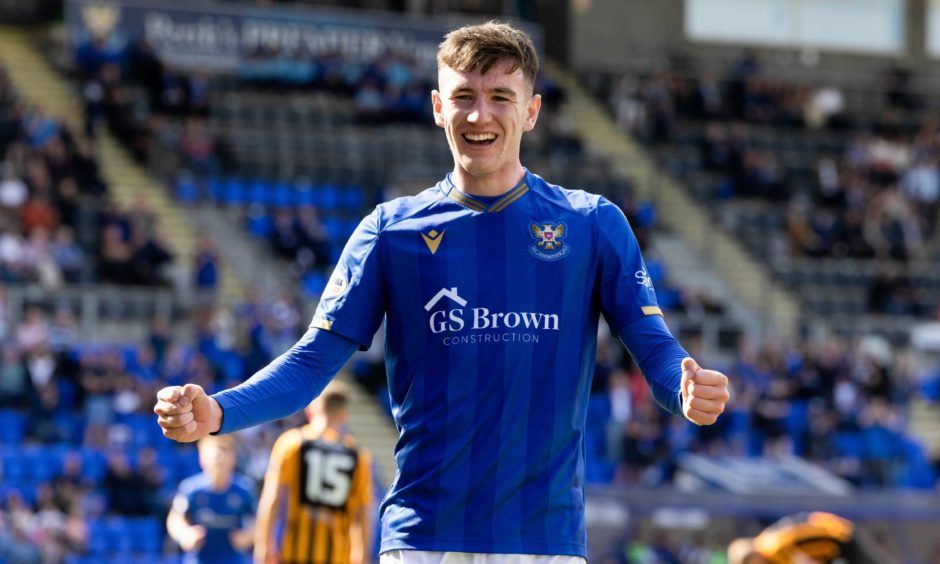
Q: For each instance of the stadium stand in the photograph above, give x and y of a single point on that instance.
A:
(840, 204)
(297, 157)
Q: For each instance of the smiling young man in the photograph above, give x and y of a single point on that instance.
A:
(491, 285)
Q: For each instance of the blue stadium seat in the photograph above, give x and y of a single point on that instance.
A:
(120, 537)
(259, 224)
(282, 195)
(881, 443)
(332, 197)
(850, 444)
(94, 464)
(260, 192)
(233, 192)
(45, 465)
(98, 538)
(656, 271)
(916, 472)
(313, 283)
(797, 424)
(187, 189)
(216, 188)
(334, 228)
(12, 426)
(148, 533)
(353, 198)
(668, 298)
(16, 467)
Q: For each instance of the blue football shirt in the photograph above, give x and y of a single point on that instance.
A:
(491, 309)
(219, 512)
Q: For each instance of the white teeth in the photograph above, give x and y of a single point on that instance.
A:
(480, 136)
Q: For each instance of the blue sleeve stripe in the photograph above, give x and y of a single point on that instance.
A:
(288, 383)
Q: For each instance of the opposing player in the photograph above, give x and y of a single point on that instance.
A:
(491, 285)
(213, 512)
(808, 538)
(320, 481)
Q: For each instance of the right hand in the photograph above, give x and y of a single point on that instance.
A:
(186, 413)
(194, 538)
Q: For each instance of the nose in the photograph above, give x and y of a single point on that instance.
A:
(479, 113)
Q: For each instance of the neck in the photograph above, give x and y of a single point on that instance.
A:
(494, 184)
(320, 424)
(220, 482)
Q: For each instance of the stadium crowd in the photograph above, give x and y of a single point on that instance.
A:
(79, 446)
(827, 181)
(58, 223)
(81, 457)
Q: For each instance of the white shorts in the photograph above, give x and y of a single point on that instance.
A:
(430, 557)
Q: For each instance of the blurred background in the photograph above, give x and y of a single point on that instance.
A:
(178, 178)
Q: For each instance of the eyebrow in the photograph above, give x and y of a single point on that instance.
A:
(496, 90)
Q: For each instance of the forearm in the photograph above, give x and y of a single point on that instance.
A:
(264, 520)
(288, 383)
(366, 524)
(659, 357)
(177, 527)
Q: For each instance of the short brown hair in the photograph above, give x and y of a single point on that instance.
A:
(223, 441)
(483, 46)
(334, 398)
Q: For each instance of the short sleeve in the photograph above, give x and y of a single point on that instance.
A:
(181, 503)
(353, 303)
(279, 471)
(626, 291)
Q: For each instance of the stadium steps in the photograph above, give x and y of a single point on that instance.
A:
(373, 429)
(748, 279)
(128, 182)
(925, 425)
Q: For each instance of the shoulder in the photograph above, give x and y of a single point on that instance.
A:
(288, 441)
(191, 484)
(579, 202)
(398, 209)
(242, 484)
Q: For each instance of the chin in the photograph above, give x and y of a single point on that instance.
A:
(477, 168)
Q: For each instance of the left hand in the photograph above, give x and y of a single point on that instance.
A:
(241, 539)
(704, 393)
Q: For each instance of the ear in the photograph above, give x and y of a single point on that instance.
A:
(437, 105)
(532, 112)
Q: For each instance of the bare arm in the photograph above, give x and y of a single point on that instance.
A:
(189, 537)
(272, 496)
(361, 534)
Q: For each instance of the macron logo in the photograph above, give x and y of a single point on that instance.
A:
(445, 293)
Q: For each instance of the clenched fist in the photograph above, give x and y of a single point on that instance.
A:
(186, 413)
(704, 393)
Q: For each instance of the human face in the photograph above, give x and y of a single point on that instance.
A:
(217, 460)
(484, 117)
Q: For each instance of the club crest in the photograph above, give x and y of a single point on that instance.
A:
(549, 240)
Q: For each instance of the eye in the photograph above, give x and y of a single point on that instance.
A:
(501, 99)
(463, 97)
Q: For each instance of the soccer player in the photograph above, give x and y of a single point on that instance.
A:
(491, 285)
(320, 481)
(808, 538)
(213, 512)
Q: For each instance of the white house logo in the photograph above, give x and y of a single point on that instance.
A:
(643, 279)
(460, 325)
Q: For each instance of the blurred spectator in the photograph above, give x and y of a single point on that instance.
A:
(16, 387)
(206, 265)
(130, 491)
(197, 147)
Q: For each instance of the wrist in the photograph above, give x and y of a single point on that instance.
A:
(217, 416)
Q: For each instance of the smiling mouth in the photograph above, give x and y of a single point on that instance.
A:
(479, 139)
